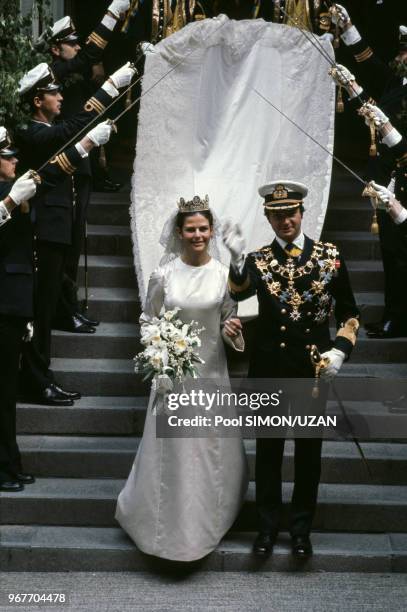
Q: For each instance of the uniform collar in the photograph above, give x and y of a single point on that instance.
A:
(298, 242)
(41, 122)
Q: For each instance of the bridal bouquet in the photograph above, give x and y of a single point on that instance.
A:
(170, 347)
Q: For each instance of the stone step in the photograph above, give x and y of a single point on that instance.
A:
(354, 245)
(113, 303)
(101, 549)
(342, 216)
(108, 271)
(81, 502)
(110, 211)
(121, 341)
(117, 377)
(112, 457)
(366, 275)
(109, 240)
(124, 416)
(91, 415)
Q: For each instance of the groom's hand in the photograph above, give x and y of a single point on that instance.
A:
(233, 327)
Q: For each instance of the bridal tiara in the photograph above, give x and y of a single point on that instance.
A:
(194, 205)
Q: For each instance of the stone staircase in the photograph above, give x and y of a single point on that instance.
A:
(82, 454)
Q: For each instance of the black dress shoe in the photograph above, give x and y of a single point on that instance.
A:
(86, 320)
(25, 479)
(301, 546)
(389, 329)
(51, 396)
(263, 544)
(12, 486)
(75, 325)
(72, 395)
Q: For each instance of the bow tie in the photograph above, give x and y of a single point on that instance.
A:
(292, 250)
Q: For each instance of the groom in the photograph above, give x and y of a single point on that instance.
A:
(296, 280)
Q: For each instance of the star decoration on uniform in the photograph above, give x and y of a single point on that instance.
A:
(295, 315)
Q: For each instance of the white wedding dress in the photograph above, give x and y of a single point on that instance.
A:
(183, 494)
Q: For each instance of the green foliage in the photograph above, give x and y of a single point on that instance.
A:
(17, 56)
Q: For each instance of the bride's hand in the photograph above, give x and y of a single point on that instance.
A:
(233, 327)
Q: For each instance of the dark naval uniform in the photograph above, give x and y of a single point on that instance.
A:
(54, 219)
(311, 15)
(75, 76)
(390, 92)
(295, 296)
(16, 304)
(153, 20)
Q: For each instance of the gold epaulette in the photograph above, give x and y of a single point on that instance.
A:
(93, 104)
(64, 163)
(364, 55)
(97, 40)
(349, 330)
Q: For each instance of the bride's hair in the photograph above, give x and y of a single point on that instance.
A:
(181, 216)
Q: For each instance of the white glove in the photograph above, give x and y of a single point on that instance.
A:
(339, 15)
(392, 138)
(23, 189)
(234, 241)
(29, 332)
(384, 194)
(147, 48)
(118, 7)
(375, 113)
(336, 359)
(342, 75)
(327, 36)
(123, 76)
(396, 211)
(100, 134)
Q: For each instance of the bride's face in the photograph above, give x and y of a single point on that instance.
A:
(195, 234)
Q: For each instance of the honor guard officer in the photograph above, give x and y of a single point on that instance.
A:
(310, 15)
(17, 286)
(392, 198)
(388, 85)
(54, 211)
(296, 280)
(72, 66)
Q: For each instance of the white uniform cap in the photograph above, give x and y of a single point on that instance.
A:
(40, 78)
(283, 194)
(6, 149)
(63, 30)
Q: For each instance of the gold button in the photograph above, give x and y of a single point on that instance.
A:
(307, 331)
(308, 346)
(282, 345)
(283, 328)
(309, 314)
(283, 311)
(402, 188)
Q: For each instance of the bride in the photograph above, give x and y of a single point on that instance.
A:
(183, 494)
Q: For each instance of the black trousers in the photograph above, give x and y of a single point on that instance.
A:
(36, 373)
(68, 300)
(270, 452)
(394, 254)
(12, 330)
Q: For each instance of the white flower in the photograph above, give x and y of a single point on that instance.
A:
(150, 333)
(170, 314)
(180, 346)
